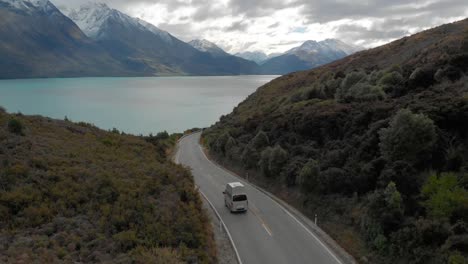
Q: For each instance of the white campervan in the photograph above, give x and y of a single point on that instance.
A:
(235, 197)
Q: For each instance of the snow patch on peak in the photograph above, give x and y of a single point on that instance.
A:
(32, 5)
(92, 17)
(327, 45)
(203, 44)
(207, 46)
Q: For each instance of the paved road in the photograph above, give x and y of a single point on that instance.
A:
(266, 233)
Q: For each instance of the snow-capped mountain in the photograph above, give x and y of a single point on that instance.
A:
(340, 45)
(147, 48)
(329, 46)
(207, 46)
(30, 6)
(308, 55)
(257, 56)
(37, 40)
(92, 18)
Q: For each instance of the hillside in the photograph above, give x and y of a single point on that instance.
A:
(39, 41)
(375, 144)
(72, 193)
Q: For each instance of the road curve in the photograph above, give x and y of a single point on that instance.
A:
(266, 233)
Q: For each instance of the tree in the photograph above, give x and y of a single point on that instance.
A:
(278, 158)
(162, 135)
(15, 126)
(230, 148)
(422, 77)
(410, 137)
(272, 161)
(308, 176)
(249, 157)
(392, 82)
(386, 208)
(349, 81)
(221, 143)
(260, 141)
(264, 162)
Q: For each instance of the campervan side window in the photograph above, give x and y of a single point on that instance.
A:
(239, 198)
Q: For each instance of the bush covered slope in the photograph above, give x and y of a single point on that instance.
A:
(74, 193)
(376, 144)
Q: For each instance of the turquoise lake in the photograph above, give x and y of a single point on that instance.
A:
(133, 105)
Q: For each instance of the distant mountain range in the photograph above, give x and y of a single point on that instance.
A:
(257, 56)
(309, 55)
(38, 40)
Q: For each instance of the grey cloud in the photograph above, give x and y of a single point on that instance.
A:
(359, 33)
(287, 43)
(258, 8)
(389, 19)
(323, 11)
(238, 26)
(274, 25)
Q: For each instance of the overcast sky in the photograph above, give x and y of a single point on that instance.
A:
(278, 25)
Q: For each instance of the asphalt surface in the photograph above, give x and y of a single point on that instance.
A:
(266, 233)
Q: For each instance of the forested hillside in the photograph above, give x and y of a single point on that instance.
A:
(72, 193)
(376, 144)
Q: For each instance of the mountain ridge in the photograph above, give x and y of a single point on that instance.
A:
(96, 40)
(39, 41)
(208, 46)
(309, 54)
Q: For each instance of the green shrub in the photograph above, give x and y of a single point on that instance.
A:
(334, 180)
(126, 240)
(410, 137)
(314, 92)
(422, 77)
(331, 86)
(448, 73)
(297, 97)
(357, 87)
(403, 175)
(392, 82)
(162, 135)
(457, 258)
(363, 92)
(444, 196)
(352, 79)
(15, 126)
